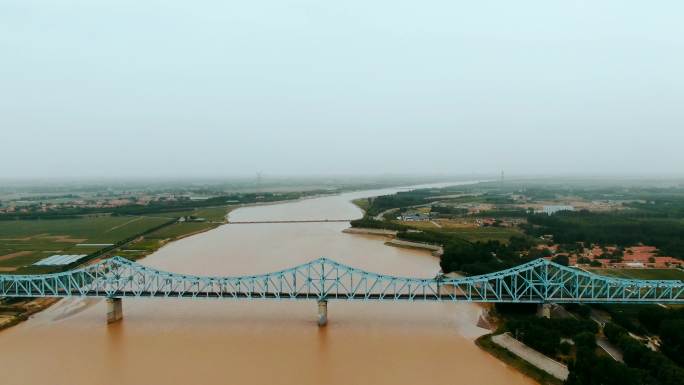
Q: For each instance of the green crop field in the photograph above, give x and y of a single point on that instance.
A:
(502, 234)
(217, 214)
(24, 242)
(469, 233)
(156, 239)
(643, 273)
(178, 229)
(362, 203)
(212, 214)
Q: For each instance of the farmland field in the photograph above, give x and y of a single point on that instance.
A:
(468, 232)
(24, 242)
(486, 234)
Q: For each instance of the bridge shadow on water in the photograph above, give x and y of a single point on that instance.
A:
(70, 307)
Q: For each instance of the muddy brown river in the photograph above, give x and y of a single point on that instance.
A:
(260, 342)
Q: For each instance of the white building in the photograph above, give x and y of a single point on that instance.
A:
(550, 210)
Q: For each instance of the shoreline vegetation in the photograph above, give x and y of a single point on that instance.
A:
(492, 226)
(434, 249)
(391, 234)
(484, 342)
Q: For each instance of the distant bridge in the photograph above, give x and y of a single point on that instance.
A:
(289, 221)
(539, 281)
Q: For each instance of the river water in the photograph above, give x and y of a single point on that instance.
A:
(260, 342)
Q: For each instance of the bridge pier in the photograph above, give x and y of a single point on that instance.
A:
(544, 310)
(322, 312)
(114, 310)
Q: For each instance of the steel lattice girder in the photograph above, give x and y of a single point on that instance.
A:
(534, 282)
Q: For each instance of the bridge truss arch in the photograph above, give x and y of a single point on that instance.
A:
(538, 281)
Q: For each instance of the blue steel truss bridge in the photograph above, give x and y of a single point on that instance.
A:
(539, 281)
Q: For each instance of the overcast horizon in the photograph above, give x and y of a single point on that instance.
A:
(168, 89)
(349, 178)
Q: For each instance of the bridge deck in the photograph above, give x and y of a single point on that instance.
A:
(343, 297)
(537, 281)
(289, 221)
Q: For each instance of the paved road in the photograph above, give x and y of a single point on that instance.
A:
(602, 318)
(532, 356)
(612, 351)
(381, 216)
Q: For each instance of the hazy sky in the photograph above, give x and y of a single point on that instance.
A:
(221, 88)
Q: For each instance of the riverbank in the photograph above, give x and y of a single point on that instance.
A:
(485, 343)
(13, 311)
(19, 310)
(366, 231)
(436, 250)
(16, 310)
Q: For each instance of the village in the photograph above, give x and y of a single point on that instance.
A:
(488, 213)
(595, 256)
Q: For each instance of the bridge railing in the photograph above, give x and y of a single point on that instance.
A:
(323, 279)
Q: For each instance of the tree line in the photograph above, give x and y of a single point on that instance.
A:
(623, 229)
(651, 367)
(153, 207)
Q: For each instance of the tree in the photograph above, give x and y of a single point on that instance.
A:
(561, 259)
(651, 317)
(613, 332)
(536, 333)
(589, 369)
(585, 340)
(584, 311)
(639, 356)
(564, 348)
(673, 339)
